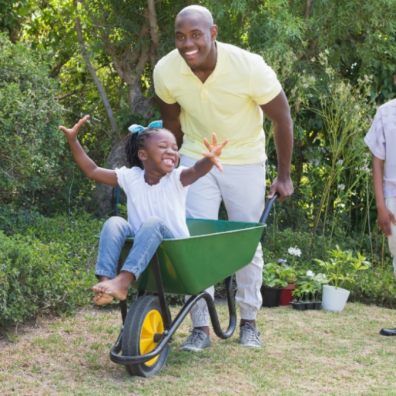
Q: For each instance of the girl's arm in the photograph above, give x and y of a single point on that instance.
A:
(86, 164)
(385, 216)
(204, 165)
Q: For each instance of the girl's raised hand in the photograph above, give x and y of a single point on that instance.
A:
(214, 150)
(71, 133)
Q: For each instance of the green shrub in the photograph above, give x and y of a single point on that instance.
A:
(32, 147)
(277, 243)
(376, 286)
(47, 267)
(37, 277)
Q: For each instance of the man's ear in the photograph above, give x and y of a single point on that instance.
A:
(142, 155)
(213, 32)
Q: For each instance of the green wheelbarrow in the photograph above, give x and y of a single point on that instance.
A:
(215, 250)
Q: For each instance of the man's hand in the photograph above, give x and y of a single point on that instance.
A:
(71, 133)
(385, 220)
(283, 187)
(214, 150)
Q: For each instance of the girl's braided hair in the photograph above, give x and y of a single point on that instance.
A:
(136, 142)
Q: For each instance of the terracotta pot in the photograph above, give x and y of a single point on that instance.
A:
(286, 294)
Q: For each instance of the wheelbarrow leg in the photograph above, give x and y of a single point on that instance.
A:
(231, 310)
(161, 292)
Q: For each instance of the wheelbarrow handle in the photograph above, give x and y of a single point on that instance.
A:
(268, 207)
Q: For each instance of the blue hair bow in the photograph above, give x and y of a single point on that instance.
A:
(136, 128)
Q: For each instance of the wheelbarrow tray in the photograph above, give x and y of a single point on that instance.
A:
(215, 249)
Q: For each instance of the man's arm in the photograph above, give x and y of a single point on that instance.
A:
(385, 216)
(278, 111)
(170, 117)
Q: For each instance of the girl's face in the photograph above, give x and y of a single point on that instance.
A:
(160, 153)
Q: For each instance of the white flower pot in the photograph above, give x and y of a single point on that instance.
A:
(334, 298)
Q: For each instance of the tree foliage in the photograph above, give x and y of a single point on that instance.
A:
(29, 114)
(323, 52)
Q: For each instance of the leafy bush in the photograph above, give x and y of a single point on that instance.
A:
(278, 242)
(31, 146)
(376, 286)
(47, 269)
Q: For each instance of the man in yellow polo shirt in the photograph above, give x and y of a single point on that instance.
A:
(205, 86)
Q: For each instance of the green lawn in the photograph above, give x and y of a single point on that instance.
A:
(304, 353)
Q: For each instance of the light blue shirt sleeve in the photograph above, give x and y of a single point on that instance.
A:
(375, 138)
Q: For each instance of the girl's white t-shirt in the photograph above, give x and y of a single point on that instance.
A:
(165, 200)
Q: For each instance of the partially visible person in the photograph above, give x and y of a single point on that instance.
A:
(381, 140)
(156, 190)
(205, 85)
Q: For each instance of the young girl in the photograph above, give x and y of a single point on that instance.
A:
(156, 199)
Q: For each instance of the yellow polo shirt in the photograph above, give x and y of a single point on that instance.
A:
(227, 103)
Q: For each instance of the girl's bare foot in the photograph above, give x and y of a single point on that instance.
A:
(116, 288)
(103, 299)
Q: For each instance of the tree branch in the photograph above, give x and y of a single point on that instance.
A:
(154, 30)
(308, 9)
(92, 71)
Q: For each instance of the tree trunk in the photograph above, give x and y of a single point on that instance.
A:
(308, 9)
(103, 195)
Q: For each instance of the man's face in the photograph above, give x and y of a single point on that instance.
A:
(195, 40)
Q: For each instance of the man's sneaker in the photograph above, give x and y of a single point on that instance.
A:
(197, 341)
(249, 336)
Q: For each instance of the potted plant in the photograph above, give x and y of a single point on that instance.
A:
(289, 275)
(272, 284)
(308, 290)
(341, 270)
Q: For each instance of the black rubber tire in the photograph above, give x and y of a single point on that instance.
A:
(145, 307)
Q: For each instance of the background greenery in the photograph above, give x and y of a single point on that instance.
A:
(62, 59)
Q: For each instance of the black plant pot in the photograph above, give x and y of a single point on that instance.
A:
(299, 305)
(318, 305)
(303, 305)
(270, 296)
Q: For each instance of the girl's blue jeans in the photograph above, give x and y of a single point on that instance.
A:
(114, 233)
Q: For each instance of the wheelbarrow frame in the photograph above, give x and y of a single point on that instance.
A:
(172, 325)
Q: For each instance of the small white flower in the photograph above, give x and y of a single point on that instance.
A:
(310, 274)
(341, 187)
(340, 162)
(321, 278)
(364, 168)
(294, 251)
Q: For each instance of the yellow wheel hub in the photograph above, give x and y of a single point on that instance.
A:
(152, 325)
